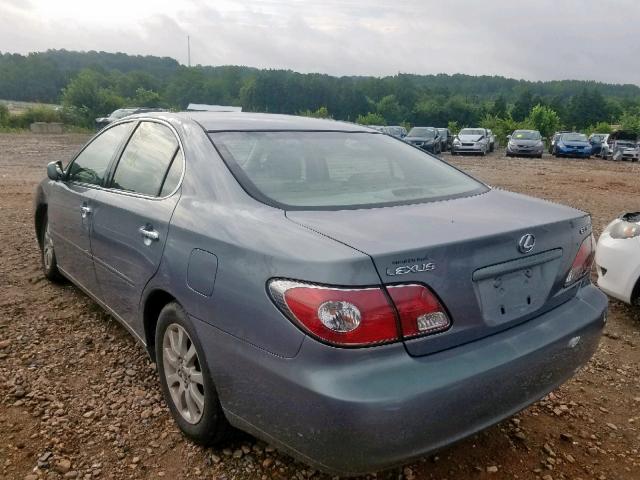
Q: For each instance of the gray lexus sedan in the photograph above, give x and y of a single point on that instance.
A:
(332, 290)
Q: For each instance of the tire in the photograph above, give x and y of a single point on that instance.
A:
(48, 254)
(540, 156)
(200, 417)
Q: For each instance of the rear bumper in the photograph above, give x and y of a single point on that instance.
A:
(617, 270)
(356, 411)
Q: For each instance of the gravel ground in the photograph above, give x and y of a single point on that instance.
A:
(80, 399)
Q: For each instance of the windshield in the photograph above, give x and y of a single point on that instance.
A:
(472, 131)
(625, 143)
(526, 135)
(574, 137)
(312, 170)
(422, 132)
(597, 138)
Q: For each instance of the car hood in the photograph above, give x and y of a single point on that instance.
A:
(574, 143)
(469, 138)
(528, 143)
(459, 238)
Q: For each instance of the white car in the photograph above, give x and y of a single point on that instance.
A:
(618, 258)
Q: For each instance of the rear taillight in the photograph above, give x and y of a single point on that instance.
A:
(420, 311)
(359, 316)
(582, 263)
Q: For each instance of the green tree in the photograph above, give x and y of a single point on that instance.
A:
(390, 109)
(600, 127)
(321, 112)
(544, 119)
(499, 108)
(630, 123)
(371, 118)
(146, 98)
(89, 96)
(523, 106)
(4, 115)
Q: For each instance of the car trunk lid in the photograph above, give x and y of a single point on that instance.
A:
(470, 252)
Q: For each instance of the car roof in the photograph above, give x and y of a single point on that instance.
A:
(243, 121)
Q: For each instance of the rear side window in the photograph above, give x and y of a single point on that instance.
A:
(92, 163)
(143, 165)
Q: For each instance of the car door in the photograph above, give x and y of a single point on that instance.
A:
(131, 217)
(71, 204)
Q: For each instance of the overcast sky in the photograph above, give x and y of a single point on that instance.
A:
(537, 40)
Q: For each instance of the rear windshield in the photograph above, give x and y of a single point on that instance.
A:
(325, 170)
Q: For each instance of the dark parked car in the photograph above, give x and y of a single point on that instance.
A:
(572, 145)
(445, 139)
(525, 143)
(492, 140)
(471, 140)
(426, 138)
(395, 131)
(599, 144)
(554, 139)
(346, 297)
(102, 122)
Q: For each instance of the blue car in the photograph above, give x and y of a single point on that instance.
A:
(344, 296)
(572, 145)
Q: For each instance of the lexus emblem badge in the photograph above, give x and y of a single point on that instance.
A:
(526, 243)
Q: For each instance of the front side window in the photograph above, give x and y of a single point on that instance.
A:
(143, 165)
(91, 165)
(324, 170)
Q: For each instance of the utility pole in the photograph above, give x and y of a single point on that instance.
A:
(188, 51)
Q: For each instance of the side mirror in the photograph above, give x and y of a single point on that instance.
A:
(54, 171)
(508, 137)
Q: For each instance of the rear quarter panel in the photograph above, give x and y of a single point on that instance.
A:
(252, 243)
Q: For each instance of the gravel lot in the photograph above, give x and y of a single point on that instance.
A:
(79, 398)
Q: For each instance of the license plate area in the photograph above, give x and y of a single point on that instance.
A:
(517, 288)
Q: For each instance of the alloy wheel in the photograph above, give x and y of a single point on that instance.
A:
(183, 373)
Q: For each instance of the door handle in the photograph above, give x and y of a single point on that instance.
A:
(149, 235)
(85, 211)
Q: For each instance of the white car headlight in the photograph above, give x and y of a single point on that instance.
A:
(623, 228)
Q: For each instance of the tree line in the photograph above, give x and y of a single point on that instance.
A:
(92, 84)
